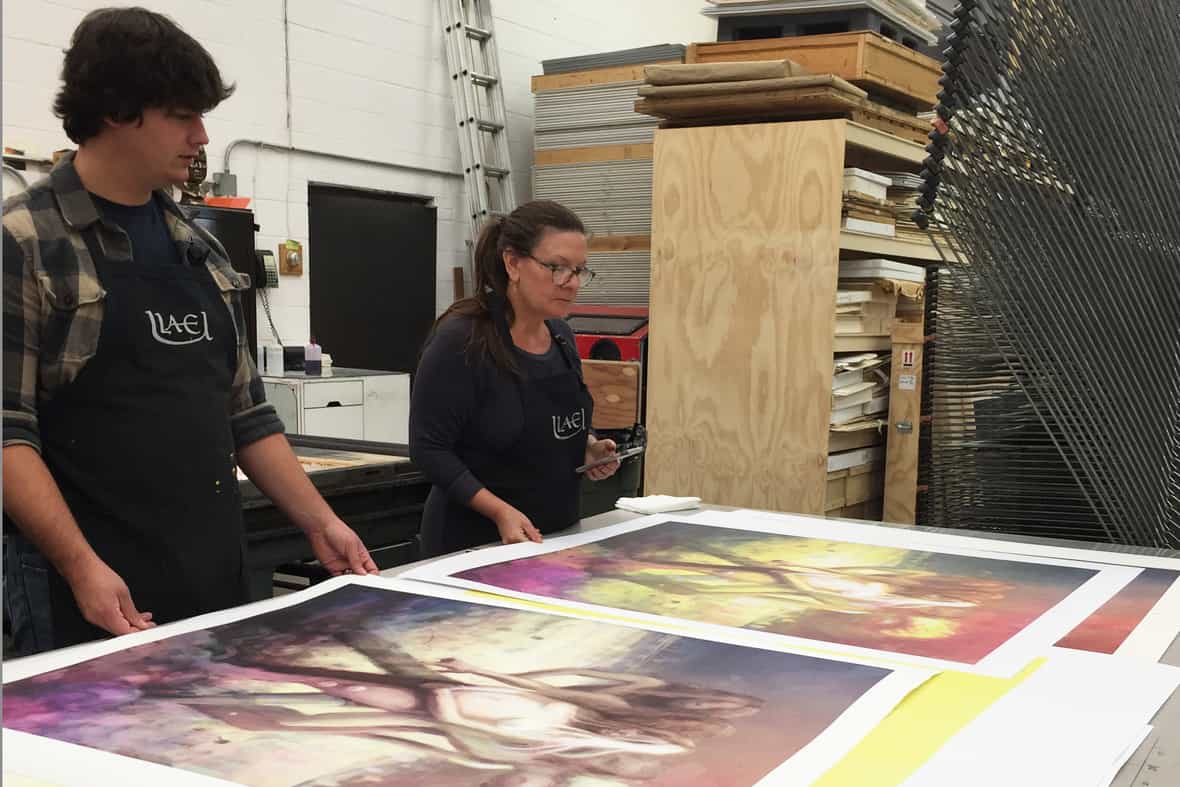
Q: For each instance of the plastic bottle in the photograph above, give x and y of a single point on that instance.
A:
(312, 358)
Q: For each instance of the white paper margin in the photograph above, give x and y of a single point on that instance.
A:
(1070, 722)
(69, 764)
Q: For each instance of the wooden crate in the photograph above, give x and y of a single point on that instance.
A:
(854, 486)
(869, 511)
(794, 104)
(866, 59)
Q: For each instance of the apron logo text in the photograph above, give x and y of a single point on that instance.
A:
(565, 427)
(189, 329)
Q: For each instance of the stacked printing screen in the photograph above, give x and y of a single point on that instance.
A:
(1054, 383)
(594, 154)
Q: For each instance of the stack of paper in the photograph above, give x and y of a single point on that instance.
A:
(865, 206)
(860, 387)
(881, 269)
(852, 369)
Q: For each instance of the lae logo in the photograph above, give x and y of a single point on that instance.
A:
(189, 329)
(567, 426)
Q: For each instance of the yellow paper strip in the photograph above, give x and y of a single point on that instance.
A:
(920, 726)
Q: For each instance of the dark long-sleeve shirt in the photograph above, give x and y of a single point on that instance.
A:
(461, 403)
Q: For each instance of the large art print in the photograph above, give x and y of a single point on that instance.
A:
(366, 682)
(805, 583)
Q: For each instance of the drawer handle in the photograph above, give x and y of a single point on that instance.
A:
(334, 403)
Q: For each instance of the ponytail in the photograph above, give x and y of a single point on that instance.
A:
(488, 306)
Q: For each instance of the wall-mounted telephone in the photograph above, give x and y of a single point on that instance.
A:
(268, 269)
(267, 276)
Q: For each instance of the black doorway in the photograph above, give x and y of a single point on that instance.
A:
(373, 275)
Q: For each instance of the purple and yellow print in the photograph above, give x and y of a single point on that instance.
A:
(365, 686)
(928, 604)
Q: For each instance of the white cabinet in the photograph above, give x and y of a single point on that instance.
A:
(346, 422)
(353, 404)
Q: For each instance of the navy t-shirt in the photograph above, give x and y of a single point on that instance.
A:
(151, 243)
(536, 366)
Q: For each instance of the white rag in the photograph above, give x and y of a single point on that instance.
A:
(657, 504)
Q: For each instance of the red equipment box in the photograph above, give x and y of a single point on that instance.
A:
(610, 333)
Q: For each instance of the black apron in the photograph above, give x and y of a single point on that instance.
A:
(536, 475)
(141, 447)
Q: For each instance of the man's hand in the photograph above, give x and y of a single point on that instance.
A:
(34, 502)
(515, 527)
(104, 599)
(272, 466)
(340, 550)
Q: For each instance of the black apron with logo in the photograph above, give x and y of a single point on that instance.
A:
(537, 474)
(141, 447)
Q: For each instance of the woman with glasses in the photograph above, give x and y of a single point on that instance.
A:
(500, 416)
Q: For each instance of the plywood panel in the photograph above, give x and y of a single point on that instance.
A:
(615, 387)
(789, 103)
(595, 76)
(905, 408)
(458, 284)
(590, 155)
(619, 242)
(745, 246)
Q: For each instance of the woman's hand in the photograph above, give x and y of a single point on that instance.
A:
(515, 527)
(600, 449)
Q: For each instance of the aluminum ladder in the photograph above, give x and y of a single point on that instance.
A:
(480, 112)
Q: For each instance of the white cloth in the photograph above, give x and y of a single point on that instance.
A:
(657, 504)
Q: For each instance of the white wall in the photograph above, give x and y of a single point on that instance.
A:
(368, 79)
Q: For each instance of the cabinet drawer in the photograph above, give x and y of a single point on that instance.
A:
(343, 422)
(343, 393)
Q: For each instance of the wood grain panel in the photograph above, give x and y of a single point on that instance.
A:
(745, 245)
(905, 406)
(615, 387)
(619, 242)
(594, 154)
(458, 284)
(594, 76)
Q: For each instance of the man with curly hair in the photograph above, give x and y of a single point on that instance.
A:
(130, 396)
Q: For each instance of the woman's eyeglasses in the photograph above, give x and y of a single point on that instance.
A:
(563, 273)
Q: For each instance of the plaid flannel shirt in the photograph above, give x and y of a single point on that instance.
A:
(53, 302)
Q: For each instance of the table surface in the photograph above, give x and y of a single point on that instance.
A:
(1157, 761)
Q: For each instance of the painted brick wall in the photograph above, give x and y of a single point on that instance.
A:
(368, 79)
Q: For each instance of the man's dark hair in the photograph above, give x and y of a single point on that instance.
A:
(122, 61)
